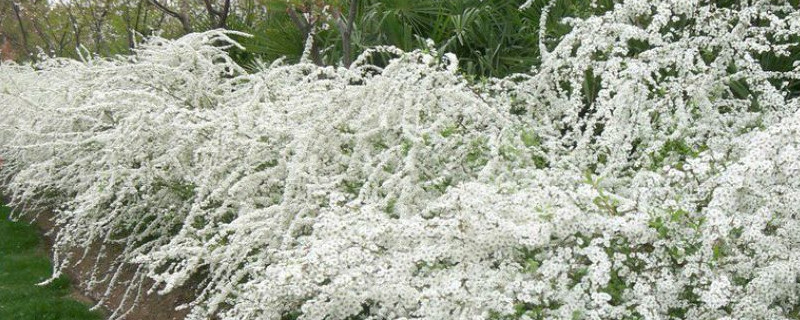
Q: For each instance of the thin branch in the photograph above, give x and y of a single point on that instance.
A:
(218, 18)
(187, 27)
(223, 16)
(165, 9)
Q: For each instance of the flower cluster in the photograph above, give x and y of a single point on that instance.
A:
(648, 169)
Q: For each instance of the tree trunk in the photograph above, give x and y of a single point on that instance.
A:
(346, 30)
(22, 31)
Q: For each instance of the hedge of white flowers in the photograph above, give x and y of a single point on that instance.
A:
(648, 169)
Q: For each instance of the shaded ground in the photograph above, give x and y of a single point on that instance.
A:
(23, 263)
(20, 299)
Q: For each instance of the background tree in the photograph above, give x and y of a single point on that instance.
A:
(181, 13)
(490, 37)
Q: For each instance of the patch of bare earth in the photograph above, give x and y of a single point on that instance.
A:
(122, 298)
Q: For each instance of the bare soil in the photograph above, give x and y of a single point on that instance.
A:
(148, 307)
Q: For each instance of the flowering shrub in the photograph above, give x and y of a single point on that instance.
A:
(648, 169)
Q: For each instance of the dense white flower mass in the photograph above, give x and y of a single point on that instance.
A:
(648, 169)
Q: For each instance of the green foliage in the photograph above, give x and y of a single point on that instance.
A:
(603, 201)
(294, 315)
(490, 37)
(478, 153)
(676, 150)
(616, 288)
(274, 36)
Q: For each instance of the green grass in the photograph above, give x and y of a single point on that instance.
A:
(23, 264)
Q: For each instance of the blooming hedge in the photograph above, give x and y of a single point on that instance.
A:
(649, 168)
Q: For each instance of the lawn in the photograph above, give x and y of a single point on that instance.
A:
(23, 264)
